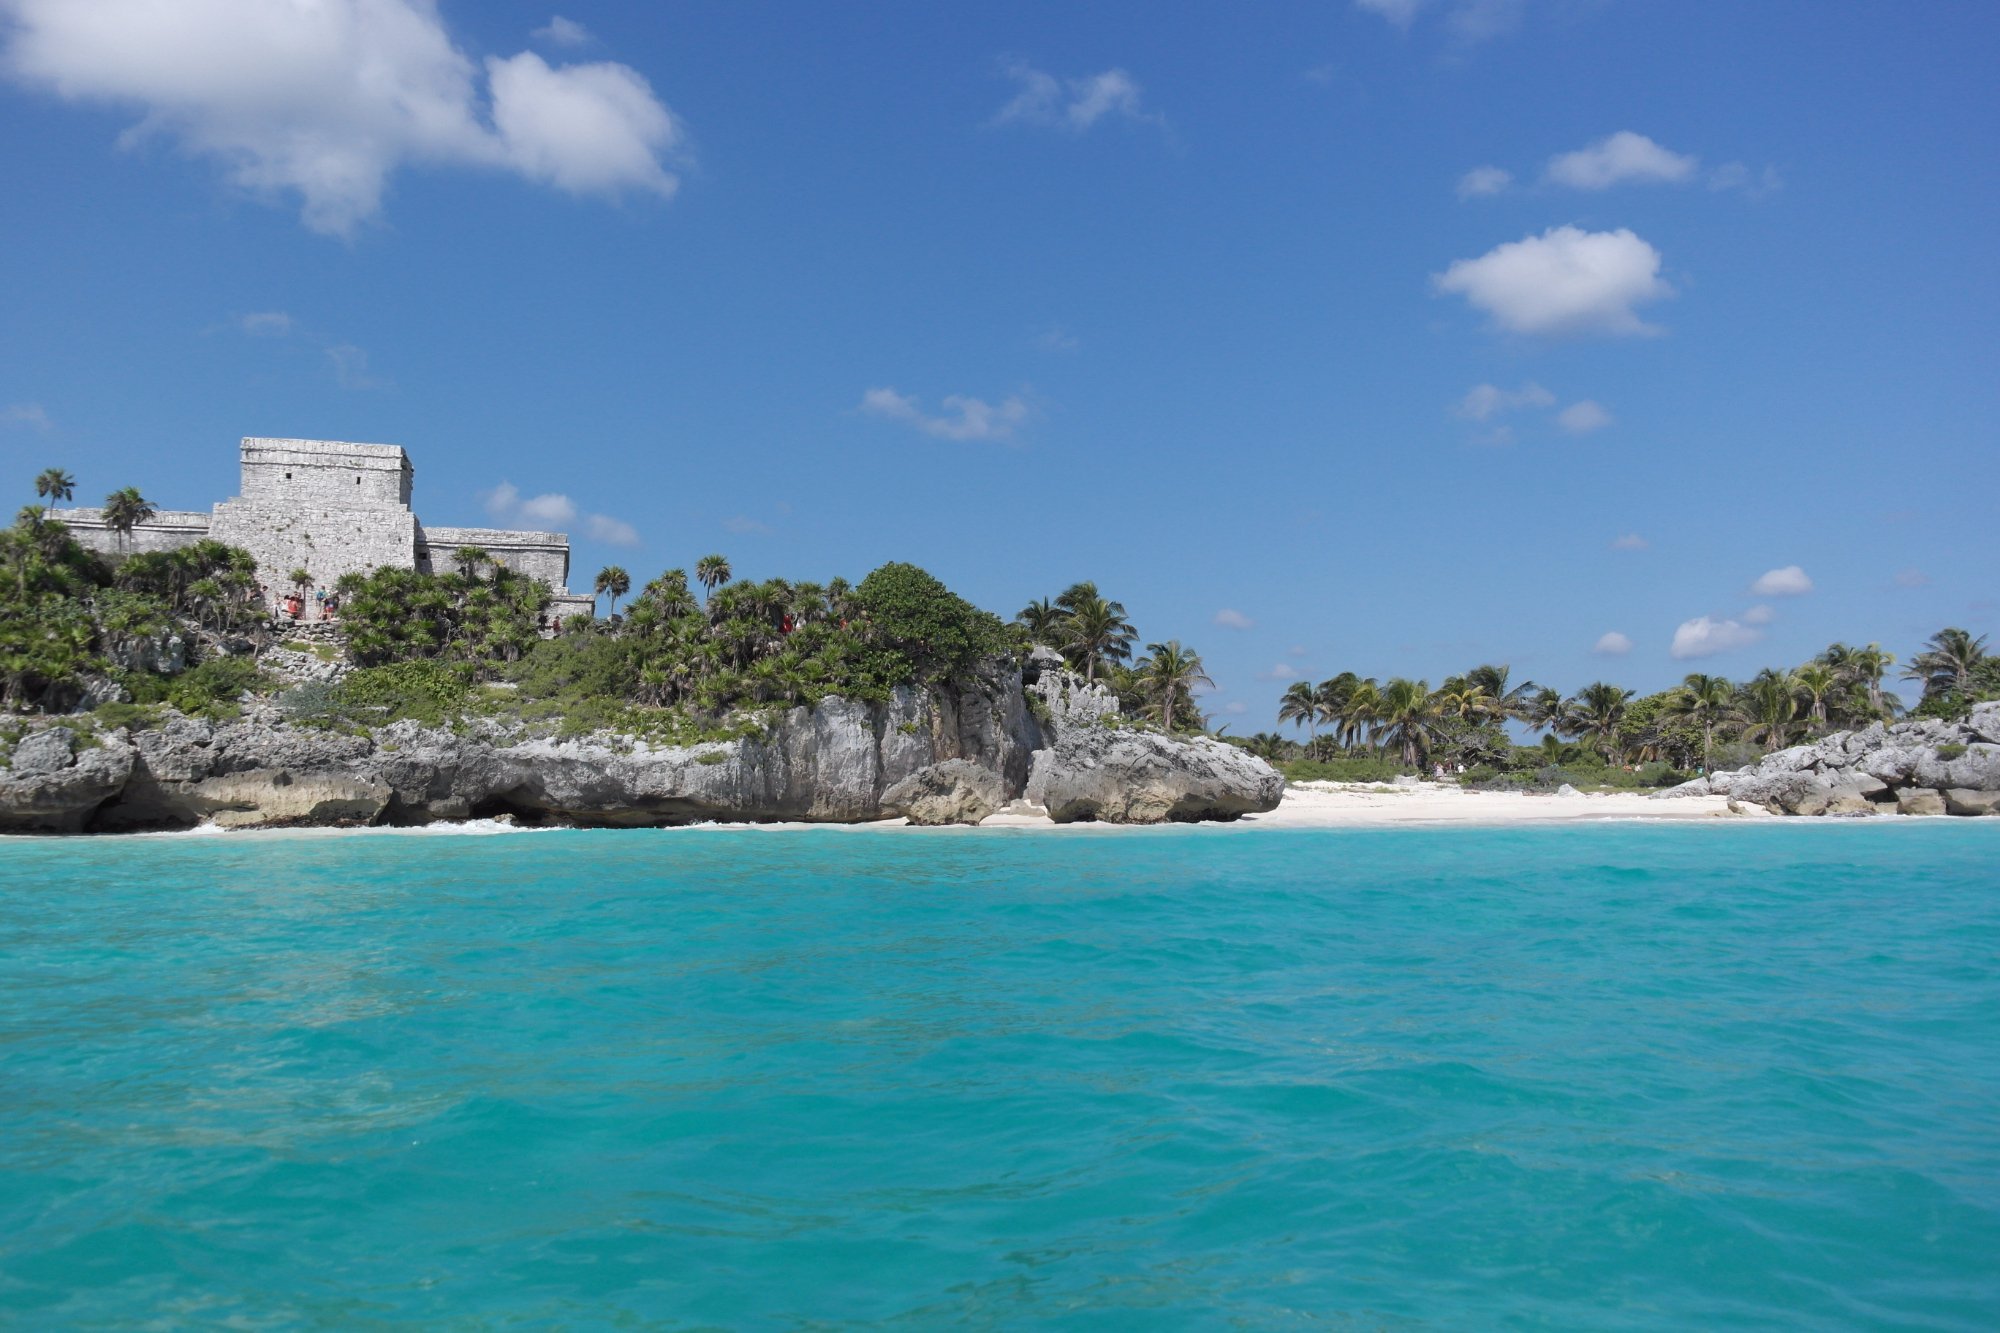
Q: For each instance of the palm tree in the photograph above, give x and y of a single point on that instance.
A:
(1361, 712)
(1332, 696)
(1770, 702)
(1704, 700)
(711, 571)
(1267, 745)
(55, 484)
(1407, 716)
(1043, 620)
(1815, 680)
(1946, 662)
(1300, 703)
(1546, 711)
(669, 595)
(1595, 712)
(1508, 702)
(1097, 634)
(1173, 672)
(469, 559)
(614, 580)
(1865, 668)
(125, 510)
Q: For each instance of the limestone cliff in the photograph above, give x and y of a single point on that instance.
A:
(833, 763)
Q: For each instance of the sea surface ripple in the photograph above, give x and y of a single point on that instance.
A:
(1608, 1077)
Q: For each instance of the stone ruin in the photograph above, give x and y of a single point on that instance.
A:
(332, 508)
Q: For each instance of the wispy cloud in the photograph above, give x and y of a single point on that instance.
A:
(1581, 418)
(1629, 541)
(962, 418)
(1233, 619)
(559, 31)
(30, 415)
(1566, 281)
(1612, 644)
(744, 526)
(1280, 671)
(1483, 181)
(1057, 340)
(1483, 402)
(609, 530)
(1738, 176)
(266, 324)
(1072, 105)
(1911, 578)
(350, 367)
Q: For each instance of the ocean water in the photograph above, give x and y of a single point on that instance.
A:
(1605, 1077)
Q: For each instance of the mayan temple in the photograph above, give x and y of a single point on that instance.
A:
(332, 508)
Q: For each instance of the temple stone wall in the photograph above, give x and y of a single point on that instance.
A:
(325, 542)
(331, 507)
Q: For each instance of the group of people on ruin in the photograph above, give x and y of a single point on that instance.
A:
(299, 606)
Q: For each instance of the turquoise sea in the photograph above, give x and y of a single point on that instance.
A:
(1605, 1077)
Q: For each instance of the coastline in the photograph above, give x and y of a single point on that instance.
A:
(1317, 805)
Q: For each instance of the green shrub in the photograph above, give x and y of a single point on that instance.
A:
(133, 717)
(423, 689)
(214, 685)
(1951, 750)
(1358, 768)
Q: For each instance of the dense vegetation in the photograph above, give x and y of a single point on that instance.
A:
(1359, 729)
(68, 616)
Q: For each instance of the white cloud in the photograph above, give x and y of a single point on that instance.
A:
(1231, 619)
(1705, 636)
(1565, 281)
(611, 531)
(1071, 104)
(744, 526)
(1236, 708)
(1582, 418)
(586, 129)
(1057, 340)
(1911, 578)
(962, 419)
(1759, 614)
(1618, 158)
(549, 509)
(326, 99)
(266, 324)
(25, 414)
(1469, 20)
(1484, 401)
(1612, 644)
(560, 31)
(1297, 650)
(1791, 581)
(1481, 181)
(554, 510)
(1282, 671)
(1629, 541)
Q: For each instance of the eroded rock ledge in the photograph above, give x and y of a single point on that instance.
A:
(1925, 767)
(946, 755)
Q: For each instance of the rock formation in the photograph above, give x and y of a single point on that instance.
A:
(938, 755)
(1923, 767)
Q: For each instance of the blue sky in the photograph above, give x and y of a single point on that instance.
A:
(1386, 336)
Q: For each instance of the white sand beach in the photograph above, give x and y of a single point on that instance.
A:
(1360, 805)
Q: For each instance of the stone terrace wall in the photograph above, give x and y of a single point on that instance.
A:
(539, 555)
(168, 530)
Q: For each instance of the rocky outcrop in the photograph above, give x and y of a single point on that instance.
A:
(53, 784)
(1123, 776)
(956, 791)
(1924, 767)
(936, 755)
